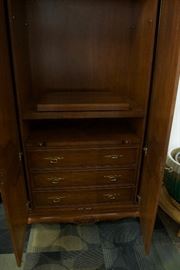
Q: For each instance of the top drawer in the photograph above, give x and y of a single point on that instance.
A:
(92, 157)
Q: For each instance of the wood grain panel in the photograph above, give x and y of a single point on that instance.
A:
(164, 89)
(84, 214)
(82, 157)
(102, 45)
(83, 197)
(12, 184)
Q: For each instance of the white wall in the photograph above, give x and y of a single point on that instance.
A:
(175, 132)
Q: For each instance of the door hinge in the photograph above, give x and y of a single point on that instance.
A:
(28, 205)
(145, 149)
(138, 199)
(20, 156)
(1, 178)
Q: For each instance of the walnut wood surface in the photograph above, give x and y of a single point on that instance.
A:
(83, 46)
(82, 178)
(90, 157)
(31, 114)
(89, 47)
(82, 101)
(83, 197)
(87, 214)
(164, 89)
(66, 133)
(12, 182)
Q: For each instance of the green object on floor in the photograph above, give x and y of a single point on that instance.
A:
(172, 174)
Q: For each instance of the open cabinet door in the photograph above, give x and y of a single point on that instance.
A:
(164, 89)
(12, 184)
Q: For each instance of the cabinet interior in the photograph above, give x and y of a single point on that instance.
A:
(53, 133)
(82, 56)
(82, 75)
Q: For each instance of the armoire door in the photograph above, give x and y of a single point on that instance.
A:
(164, 89)
(12, 184)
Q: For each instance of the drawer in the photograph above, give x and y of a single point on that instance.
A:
(60, 179)
(83, 197)
(82, 157)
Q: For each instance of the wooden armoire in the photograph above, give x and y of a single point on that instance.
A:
(87, 91)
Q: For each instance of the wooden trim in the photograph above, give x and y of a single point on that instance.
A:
(75, 217)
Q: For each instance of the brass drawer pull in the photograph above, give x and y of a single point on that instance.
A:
(114, 156)
(113, 178)
(55, 180)
(111, 196)
(56, 199)
(54, 160)
(85, 208)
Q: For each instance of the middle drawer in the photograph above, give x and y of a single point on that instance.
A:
(70, 178)
(92, 157)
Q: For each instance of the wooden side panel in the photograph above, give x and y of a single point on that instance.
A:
(20, 52)
(164, 89)
(12, 185)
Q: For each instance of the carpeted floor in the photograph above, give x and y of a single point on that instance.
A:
(106, 245)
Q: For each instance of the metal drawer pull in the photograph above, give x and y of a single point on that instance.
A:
(57, 199)
(85, 208)
(55, 180)
(169, 169)
(111, 196)
(114, 156)
(113, 178)
(54, 160)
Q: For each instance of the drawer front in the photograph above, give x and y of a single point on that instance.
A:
(82, 157)
(83, 197)
(83, 178)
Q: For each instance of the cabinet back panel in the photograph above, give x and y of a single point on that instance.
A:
(103, 45)
(91, 45)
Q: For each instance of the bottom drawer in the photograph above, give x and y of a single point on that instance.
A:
(83, 197)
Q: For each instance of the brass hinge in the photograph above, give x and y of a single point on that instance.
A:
(2, 175)
(28, 205)
(138, 199)
(145, 149)
(20, 156)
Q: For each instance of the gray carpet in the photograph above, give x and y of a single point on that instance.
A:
(102, 246)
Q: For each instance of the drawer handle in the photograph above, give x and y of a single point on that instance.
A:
(114, 156)
(111, 196)
(85, 208)
(55, 180)
(57, 199)
(54, 160)
(113, 178)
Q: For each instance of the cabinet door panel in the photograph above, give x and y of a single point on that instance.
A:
(164, 88)
(12, 184)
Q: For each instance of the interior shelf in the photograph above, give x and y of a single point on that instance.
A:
(82, 104)
(82, 101)
(92, 132)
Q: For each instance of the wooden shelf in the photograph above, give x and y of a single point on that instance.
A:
(33, 115)
(80, 133)
(62, 101)
(82, 104)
